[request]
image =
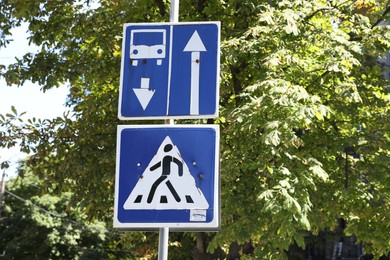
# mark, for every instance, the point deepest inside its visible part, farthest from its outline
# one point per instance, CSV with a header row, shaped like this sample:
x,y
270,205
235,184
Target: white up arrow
x,y
195,46
144,94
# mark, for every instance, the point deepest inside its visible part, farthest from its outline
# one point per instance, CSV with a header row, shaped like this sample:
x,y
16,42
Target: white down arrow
x,y
144,94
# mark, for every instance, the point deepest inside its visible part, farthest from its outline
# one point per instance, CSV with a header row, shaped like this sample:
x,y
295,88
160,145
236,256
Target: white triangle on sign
x,y
195,43
174,189
144,96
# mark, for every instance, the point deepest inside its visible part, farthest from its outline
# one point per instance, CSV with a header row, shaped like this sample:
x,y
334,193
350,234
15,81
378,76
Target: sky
x,y
28,98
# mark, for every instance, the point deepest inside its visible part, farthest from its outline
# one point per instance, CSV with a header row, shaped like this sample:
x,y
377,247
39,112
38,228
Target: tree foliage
x,y
41,226
304,112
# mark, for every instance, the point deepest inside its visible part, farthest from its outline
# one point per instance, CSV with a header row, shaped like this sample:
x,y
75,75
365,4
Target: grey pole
x,y
163,244
164,232
174,14
173,18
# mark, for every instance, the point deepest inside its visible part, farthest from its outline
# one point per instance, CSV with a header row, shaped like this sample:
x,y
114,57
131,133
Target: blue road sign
x,y
167,176
170,70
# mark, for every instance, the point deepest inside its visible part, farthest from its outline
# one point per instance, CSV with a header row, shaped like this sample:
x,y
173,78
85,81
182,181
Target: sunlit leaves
x,y
303,93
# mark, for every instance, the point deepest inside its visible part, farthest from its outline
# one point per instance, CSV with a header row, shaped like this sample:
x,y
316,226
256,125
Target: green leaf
x,y
4,165
299,239
273,138
319,172
14,110
305,222
266,195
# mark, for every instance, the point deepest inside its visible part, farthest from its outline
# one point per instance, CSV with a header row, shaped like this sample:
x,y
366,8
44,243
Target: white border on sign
x,y
215,115
214,225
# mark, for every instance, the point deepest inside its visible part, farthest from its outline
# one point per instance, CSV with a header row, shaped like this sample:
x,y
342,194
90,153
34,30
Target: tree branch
x,y
316,12
382,16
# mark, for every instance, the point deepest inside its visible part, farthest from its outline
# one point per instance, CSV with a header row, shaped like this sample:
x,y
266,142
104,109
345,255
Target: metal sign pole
x,y
174,14
163,244
164,232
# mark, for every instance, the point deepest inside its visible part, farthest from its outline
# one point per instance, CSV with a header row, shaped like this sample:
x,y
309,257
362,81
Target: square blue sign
x,y
170,70
167,176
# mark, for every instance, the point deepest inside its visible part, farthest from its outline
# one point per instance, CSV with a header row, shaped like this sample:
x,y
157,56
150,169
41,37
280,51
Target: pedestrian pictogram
x,y
170,70
167,175
166,183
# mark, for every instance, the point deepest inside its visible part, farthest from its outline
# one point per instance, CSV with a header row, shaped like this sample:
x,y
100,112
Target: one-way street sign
x,y
167,176
170,70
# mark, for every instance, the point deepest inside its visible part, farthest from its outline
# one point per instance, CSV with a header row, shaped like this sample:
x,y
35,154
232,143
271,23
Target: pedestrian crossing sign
x,y
167,176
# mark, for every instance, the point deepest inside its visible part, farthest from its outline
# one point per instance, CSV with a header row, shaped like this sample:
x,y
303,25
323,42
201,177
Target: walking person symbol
x,y
166,170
